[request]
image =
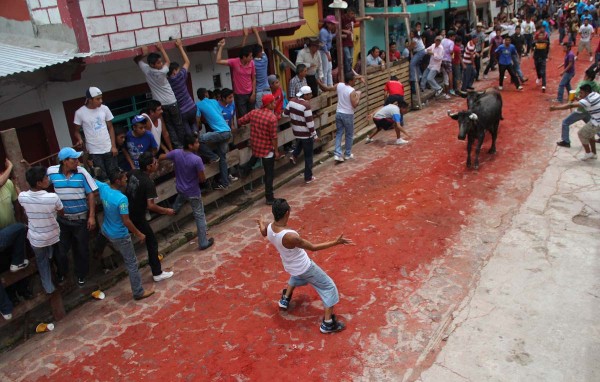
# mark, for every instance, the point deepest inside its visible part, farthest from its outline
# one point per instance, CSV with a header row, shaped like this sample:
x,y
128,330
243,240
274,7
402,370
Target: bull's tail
x,y
501,117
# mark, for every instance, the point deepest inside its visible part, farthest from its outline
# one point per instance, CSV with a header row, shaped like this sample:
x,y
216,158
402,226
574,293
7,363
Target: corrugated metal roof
x,y
19,54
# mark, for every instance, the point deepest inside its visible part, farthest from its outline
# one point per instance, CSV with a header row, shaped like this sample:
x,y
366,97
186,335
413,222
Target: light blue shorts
x,y
322,283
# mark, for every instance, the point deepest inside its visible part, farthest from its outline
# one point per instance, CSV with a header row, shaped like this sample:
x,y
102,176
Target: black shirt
x,y
139,189
519,42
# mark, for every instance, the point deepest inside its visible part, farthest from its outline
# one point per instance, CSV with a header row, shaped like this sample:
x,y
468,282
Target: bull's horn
x,y
450,114
473,117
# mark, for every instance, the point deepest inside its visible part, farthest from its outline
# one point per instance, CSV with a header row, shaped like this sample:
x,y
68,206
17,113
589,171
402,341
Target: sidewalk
x,y
534,314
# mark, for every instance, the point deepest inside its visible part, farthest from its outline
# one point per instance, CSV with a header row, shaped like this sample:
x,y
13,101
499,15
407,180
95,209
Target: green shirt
x,y
8,195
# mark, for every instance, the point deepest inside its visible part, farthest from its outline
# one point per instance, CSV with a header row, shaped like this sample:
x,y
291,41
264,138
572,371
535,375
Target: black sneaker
x,y
211,241
269,202
80,281
333,326
284,302
220,187
563,144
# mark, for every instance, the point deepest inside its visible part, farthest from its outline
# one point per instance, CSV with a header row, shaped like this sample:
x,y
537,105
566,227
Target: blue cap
x,y
138,119
68,152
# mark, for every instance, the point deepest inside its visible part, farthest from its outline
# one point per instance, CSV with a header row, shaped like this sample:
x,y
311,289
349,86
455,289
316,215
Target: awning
x,y
19,54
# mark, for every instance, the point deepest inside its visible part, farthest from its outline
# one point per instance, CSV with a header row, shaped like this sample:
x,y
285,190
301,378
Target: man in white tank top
x,y
292,249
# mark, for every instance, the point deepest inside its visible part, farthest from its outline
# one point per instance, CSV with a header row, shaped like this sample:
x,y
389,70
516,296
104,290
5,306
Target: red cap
x,y
267,99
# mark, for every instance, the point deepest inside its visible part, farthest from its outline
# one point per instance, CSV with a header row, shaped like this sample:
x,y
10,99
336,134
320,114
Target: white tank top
x,y
344,105
295,261
156,130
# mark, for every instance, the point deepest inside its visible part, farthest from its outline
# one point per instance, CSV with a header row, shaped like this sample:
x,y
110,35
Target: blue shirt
x,y
136,146
546,26
581,7
326,37
72,191
505,54
228,111
211,110
115,204
261,66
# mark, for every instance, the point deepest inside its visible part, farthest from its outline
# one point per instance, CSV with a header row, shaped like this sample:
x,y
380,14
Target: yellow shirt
x,y
8,194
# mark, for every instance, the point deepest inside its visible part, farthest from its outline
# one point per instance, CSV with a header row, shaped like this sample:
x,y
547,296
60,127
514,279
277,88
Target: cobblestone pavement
x,y
424,225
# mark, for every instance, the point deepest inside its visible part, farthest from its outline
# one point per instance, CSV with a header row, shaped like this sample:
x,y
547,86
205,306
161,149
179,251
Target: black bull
x,y
484,113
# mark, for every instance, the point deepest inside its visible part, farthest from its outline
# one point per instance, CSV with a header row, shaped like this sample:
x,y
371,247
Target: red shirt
x,y
263,129
456,55
348,24
394,88
278,102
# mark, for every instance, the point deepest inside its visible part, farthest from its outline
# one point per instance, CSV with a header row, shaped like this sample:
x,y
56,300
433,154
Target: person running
x,y
390,116
590,101
292,249
585,43
505,53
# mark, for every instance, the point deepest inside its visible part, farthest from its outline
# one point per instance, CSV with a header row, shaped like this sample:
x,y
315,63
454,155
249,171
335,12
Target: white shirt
x,y
527,27
344,105
448,48
435,62
155,130
159,84
313,63
95,130
295,261
586,32
41,207
591,104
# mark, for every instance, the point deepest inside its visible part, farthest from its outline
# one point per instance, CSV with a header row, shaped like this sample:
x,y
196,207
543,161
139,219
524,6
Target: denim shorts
x,y
322,283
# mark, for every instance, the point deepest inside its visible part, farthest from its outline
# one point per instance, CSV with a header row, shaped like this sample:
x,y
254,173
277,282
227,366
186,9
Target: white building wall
x,y
29,98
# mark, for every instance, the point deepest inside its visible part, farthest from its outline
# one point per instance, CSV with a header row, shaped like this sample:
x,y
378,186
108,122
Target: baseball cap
x,y
68,152
330,19
304,90
272,78
93,92
479,24
267,99
438,38
138,119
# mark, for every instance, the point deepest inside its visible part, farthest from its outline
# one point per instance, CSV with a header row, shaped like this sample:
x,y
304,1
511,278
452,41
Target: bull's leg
x,y
494,136
478,149
470,139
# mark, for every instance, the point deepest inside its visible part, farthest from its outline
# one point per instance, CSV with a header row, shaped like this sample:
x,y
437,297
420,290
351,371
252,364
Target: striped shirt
x,y
179,86
591,104
301,118
41,207
73,190
469,53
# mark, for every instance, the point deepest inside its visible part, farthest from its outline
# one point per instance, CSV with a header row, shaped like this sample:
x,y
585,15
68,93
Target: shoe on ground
x,y
543,89
310,180
233,178
438,92
500,88
520,88
452,92
333,326
7,317
163,276
284,302
537,81
446,96
211,241
18,267
146,294
485,76
220,187
401,141
80,281
588,156
368,140
269,202
575,57
338,158
563,144
292,160
591,59
525,80
347,157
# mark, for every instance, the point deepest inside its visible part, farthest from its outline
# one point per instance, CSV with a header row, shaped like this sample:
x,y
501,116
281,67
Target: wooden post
x,y
12,148
339,48
363,36
386,28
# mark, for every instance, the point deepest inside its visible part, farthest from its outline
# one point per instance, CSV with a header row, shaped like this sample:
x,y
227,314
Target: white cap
x,y
93,92
304,90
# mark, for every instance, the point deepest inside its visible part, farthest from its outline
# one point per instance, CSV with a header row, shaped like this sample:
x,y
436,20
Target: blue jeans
x,y
319,280
468,77
344,124
415,62
348,58
13,236
190,123
125,246
571,119
42,258
198,212
327,67
305,145
561,34
222,142
517,67
6,306
565,82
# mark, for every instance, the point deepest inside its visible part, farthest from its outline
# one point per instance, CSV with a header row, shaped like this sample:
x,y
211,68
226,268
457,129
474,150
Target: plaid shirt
x,y
263,129
295,85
